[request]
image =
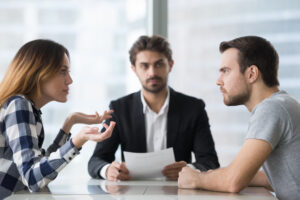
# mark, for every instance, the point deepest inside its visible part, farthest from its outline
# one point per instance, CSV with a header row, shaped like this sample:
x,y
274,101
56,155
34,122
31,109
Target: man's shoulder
x,y
127,99
186,99
278,103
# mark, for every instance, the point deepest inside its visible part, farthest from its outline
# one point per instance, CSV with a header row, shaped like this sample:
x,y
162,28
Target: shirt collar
x,y
35,110
163,109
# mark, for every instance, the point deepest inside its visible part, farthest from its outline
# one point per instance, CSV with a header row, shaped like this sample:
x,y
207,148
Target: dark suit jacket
x,y
188,131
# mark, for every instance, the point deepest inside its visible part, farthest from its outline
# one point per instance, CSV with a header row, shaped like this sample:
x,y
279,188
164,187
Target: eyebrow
x,y
157,61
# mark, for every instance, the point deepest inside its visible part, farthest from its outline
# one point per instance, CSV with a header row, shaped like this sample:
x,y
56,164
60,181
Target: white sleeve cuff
x,y
103,171
191,166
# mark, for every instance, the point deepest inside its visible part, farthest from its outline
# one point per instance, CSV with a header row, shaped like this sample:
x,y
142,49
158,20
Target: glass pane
x,y
98,35
195,31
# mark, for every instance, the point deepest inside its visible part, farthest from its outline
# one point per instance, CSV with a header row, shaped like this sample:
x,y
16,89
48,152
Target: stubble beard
x,y
156,88
236,100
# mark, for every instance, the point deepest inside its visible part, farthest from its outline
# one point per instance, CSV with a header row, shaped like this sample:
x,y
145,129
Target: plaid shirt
x,y
23,163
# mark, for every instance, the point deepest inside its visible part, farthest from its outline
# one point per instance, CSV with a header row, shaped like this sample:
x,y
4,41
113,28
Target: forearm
x,y
215,180
223,180
60,140
260,179
69,122
45,169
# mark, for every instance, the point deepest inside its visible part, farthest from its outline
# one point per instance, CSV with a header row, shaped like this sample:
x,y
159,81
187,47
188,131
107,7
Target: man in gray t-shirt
x,y
248,76
276,120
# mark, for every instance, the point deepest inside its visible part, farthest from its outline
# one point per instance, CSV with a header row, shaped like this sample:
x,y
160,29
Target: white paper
x,y
148,165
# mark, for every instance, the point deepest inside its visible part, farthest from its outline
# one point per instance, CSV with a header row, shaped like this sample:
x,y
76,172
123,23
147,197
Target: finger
x,y
123,168
111,125
113,173
91,130
97,115
123,176
110,111
107,114
168,171
117,165
171,167
109,130
172,176
102,116
106,134
171,173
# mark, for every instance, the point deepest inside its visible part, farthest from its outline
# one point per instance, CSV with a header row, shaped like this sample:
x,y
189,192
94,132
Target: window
x,y
195,31
98,35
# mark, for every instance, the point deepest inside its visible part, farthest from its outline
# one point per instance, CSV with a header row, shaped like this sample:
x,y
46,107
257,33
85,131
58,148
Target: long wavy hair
x,y
35,62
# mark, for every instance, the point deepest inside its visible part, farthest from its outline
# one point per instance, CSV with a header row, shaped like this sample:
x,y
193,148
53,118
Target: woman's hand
x,y
81,118
92,134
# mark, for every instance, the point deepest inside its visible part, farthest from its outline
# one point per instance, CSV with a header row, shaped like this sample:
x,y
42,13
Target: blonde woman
x,y
38,74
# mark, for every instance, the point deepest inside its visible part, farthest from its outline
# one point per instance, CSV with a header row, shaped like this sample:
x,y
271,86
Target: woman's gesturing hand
x,y
82,118
93,134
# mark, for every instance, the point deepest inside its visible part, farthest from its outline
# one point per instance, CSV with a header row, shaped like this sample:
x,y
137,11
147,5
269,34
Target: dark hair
x,y
254,50
35,62
155,43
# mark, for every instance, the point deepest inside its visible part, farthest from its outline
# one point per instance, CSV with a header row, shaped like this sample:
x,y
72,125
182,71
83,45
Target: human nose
x,y
220,80
151,71
69,79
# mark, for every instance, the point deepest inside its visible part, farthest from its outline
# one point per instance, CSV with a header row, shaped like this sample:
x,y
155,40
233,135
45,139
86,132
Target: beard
x,y
157,87
236,100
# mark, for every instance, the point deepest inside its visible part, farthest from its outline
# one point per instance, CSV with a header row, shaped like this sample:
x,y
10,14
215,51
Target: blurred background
x,y
99,33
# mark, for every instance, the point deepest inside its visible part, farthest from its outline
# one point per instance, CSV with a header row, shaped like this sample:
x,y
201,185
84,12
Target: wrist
x,y
78,141
198,180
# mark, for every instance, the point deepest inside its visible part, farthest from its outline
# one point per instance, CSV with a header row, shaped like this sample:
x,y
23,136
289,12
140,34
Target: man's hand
x,y
188,178
117,171
171,171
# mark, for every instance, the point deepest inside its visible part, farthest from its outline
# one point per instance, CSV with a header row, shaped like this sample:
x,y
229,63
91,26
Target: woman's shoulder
x,y
19,101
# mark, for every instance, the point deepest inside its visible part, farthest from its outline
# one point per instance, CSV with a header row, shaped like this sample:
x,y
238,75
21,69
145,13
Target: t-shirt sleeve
x,y
270,122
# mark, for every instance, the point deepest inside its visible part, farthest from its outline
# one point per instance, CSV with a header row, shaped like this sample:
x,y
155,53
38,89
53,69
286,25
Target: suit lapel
x,y
140,129
173,119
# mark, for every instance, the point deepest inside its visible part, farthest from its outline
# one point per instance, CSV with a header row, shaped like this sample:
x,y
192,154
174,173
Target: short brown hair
x,y
254,50
155,43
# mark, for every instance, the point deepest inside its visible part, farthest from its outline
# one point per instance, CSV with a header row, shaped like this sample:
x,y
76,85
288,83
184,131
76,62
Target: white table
x,y
134,190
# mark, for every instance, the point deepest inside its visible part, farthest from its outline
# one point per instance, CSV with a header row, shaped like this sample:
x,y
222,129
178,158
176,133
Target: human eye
x,y
159,64
144,65
224,70
64,71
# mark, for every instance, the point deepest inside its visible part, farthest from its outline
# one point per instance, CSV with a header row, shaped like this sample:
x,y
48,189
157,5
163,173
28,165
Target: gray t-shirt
x,y
277,121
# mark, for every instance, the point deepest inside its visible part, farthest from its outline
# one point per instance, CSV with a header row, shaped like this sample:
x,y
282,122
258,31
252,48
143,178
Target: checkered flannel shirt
x,y
23,163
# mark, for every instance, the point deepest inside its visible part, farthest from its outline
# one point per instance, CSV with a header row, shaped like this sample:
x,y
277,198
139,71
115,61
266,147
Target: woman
x,y
38,74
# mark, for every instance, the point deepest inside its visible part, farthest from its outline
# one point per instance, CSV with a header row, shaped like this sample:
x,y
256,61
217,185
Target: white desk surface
x,y
134,190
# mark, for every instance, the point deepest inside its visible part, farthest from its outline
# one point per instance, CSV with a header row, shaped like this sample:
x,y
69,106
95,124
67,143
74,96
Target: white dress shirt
x,y
156,128
156,125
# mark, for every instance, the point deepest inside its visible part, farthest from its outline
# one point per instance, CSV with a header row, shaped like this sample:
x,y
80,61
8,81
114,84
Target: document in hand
x,y
148,165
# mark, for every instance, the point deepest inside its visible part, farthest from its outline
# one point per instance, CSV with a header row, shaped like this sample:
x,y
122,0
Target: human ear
x,y
171,63
133,68
252,73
